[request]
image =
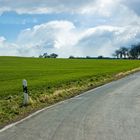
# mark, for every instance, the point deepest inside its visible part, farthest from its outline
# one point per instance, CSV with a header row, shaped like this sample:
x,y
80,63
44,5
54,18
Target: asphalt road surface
x,y
111,112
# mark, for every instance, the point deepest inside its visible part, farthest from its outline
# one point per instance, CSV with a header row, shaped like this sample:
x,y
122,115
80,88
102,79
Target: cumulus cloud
x,y
64,38
103,26
8,49
55,36
103,40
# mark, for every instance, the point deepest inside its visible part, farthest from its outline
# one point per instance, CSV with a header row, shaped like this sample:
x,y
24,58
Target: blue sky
x,y
80,28
11,23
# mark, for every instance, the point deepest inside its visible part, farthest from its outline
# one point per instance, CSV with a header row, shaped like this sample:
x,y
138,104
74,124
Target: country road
x,y
110,112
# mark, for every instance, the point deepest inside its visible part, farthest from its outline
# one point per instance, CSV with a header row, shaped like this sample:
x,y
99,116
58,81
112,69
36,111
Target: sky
x,y
68,27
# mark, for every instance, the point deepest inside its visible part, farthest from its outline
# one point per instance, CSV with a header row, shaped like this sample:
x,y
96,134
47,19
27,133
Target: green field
x,y
44,75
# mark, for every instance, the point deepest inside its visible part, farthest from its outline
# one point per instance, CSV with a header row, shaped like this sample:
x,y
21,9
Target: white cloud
x,y
45,6
8,49
55,36
104,26
49,33
133,5
102,7
64,38
103,40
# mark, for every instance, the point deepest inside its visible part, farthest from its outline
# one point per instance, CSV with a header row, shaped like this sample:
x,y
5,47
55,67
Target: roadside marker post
x,y
25,92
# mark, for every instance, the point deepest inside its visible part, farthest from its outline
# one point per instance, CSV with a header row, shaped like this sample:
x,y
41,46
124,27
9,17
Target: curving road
x,y
110,112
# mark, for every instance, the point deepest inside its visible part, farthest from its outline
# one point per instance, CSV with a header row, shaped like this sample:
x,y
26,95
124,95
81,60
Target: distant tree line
x,y
46,55
132,52
89,57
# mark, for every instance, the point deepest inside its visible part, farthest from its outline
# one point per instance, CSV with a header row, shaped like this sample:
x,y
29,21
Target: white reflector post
x,y
25,92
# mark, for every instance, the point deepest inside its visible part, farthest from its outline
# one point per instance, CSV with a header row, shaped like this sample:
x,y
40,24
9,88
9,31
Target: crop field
x,y
46,73
46,76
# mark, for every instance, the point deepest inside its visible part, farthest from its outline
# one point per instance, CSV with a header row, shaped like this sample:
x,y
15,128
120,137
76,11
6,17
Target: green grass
x,y
44,76
43,73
